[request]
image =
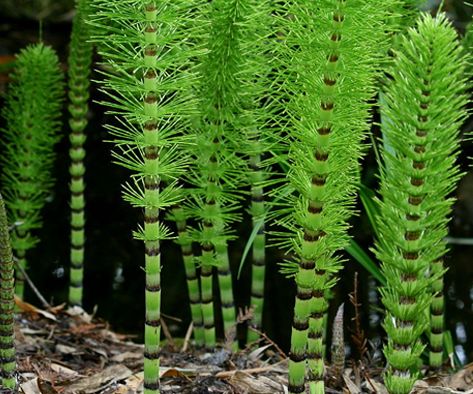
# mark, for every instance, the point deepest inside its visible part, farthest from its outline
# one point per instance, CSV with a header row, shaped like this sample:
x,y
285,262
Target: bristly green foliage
x,y
256,45
80,58
7,307
332,50
424,101
147,51
32,111
215,174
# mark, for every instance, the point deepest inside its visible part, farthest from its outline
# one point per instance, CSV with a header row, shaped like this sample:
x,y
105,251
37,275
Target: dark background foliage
x,y
114,279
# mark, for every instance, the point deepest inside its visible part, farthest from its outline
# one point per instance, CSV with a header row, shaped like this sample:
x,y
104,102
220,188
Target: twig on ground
x,y
167,334
185,345
33,287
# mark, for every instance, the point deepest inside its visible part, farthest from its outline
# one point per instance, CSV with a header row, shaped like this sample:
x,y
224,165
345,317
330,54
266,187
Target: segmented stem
x,y
207,263
79,61
315,207
193,287
7,306
226,287
151,214
257,211
423,107
437,319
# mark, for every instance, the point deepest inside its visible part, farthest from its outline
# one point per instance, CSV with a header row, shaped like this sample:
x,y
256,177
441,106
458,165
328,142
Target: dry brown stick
x,y
264,337
227,374
167,333
33,287
187,337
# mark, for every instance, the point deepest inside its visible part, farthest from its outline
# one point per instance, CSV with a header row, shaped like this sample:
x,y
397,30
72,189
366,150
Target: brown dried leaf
x,y
93,384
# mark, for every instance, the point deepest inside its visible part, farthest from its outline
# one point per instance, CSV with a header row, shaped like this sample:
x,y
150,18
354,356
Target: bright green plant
x,y
180,217
32,111
80,58
7,306
336,71
148,77
254,77
424,101
216,174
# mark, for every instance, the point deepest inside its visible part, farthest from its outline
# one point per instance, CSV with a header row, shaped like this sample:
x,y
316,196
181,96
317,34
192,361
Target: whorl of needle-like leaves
x,y
7,306
331,50
148,78
424,107
256,56
32,111
215,174
80,58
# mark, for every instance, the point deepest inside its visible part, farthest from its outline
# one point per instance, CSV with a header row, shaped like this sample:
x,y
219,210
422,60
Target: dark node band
x,y
151,386
296,389
153,323
153,288
296,357
300,325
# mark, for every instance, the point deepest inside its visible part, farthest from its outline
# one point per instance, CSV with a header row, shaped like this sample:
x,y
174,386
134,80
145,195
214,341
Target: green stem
x,y
193,287
152,231
80,57
7,306
257,211
225,286
207,294
437,319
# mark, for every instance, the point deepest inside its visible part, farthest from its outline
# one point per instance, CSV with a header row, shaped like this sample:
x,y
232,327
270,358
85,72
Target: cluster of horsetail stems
x,y
80,58
215,174
179,216
7,306
424,103
32,111
253,121
148,82
336,72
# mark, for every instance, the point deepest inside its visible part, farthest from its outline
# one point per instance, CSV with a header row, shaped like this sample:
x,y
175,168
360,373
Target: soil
x,y
68,351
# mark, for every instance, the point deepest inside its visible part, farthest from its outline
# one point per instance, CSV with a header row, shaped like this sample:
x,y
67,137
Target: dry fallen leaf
x,y
28,308
94,383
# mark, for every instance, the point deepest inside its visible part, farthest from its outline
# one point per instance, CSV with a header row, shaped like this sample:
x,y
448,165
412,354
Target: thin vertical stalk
x,y
329,81
257,211
80,58
437,318
148,80
193,286
7,306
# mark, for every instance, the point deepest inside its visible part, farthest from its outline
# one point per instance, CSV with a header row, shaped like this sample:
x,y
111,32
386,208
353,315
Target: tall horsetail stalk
x,y
216,174
149,74
80,58
336,72
32,111
425,104
7,306
254,76
179,216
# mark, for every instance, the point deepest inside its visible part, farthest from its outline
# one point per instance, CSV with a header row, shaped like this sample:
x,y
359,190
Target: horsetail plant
x,y
32,110
215,175
80,58
148,81
254,76
425,103
184,239
331,76
7,306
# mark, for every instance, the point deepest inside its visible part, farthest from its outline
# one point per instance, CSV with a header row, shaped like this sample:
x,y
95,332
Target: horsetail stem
x,y
418,173
80,58
7,306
